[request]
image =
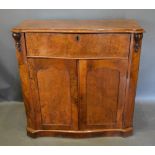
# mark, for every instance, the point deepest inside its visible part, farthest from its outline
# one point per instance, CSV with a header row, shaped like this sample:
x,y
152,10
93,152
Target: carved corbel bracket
x,y
17,37
138,37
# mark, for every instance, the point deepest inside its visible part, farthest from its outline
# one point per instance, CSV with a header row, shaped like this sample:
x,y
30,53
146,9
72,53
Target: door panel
x,y
57,89
103,102
102,93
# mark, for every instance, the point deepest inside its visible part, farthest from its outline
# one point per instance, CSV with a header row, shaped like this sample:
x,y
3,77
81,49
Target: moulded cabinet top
x,y
79,26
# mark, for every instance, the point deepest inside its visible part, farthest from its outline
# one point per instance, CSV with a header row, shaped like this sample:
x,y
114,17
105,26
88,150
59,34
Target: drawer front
x,y
77,45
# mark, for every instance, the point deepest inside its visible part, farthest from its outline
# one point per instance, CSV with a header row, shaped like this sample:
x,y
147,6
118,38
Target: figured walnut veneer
x,y
78,76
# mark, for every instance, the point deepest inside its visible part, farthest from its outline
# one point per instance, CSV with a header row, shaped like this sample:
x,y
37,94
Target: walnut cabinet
x,y
78,76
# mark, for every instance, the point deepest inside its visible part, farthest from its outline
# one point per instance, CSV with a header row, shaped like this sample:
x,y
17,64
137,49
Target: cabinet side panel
x,y
134,60
25,83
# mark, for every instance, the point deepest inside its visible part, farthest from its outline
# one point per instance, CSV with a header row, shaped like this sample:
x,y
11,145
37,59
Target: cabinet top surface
x,y
79,26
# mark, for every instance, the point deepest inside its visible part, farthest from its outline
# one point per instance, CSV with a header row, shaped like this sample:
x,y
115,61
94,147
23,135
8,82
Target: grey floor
x,y
13,122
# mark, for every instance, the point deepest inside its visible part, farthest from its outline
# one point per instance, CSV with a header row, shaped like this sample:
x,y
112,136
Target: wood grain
x,y
79,26
25,82
102,88
80,134
79,77
88,45
57,92
131,84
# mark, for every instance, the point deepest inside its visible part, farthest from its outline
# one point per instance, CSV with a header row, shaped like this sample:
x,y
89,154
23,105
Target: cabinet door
x,y
54,91
102,85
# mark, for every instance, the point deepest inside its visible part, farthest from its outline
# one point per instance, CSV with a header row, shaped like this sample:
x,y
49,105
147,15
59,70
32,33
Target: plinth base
x,y
79,134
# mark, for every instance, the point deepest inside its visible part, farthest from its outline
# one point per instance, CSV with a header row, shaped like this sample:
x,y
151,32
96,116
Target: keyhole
x,y
77,38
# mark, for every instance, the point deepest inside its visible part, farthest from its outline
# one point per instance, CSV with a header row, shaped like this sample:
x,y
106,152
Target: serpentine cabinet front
x,y
78,84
